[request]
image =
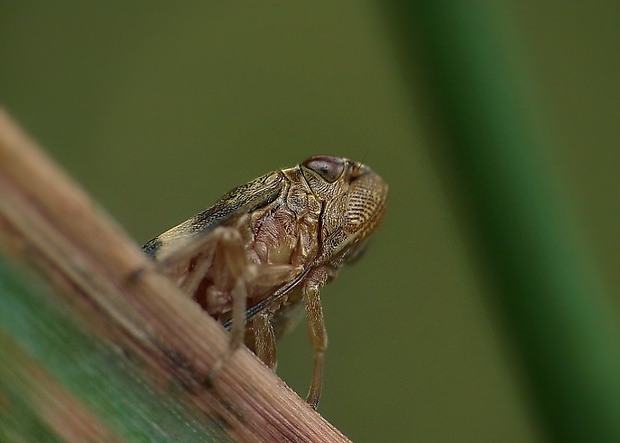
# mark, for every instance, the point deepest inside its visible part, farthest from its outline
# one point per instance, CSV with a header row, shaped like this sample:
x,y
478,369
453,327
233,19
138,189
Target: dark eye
x,y
329,168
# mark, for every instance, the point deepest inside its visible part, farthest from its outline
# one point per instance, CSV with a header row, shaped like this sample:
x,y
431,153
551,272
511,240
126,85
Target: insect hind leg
x,y
224,252
264,340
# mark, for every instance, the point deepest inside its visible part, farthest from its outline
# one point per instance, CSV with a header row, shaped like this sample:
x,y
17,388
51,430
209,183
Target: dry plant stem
x,y
47,219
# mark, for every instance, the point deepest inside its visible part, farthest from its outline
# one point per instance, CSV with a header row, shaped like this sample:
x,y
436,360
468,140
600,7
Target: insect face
x,y
354,201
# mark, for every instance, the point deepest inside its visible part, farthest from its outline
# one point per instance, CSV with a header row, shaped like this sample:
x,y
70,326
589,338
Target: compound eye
x,y
329,168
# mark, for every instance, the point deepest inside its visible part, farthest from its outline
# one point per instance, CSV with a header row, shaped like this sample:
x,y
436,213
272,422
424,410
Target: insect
x,y
256,259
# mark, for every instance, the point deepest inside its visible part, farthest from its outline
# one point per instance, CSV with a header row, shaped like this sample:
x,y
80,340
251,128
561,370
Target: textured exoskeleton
x,y
256,258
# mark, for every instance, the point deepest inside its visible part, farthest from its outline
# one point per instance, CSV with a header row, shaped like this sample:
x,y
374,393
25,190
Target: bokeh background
x,y
159,109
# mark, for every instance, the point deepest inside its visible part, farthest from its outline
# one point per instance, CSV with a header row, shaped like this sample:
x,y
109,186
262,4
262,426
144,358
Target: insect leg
x,y
247,274
264,340
230,245
318,340
190,281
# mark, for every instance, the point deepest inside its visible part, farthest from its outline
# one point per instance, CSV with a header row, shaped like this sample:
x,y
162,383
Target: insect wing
x,y
183,251
185,238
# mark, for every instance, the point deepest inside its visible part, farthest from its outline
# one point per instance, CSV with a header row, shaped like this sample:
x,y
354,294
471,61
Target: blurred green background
x,y
158,109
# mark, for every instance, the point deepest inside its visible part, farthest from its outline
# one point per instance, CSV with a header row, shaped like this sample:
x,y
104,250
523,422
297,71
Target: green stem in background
x,y
552,305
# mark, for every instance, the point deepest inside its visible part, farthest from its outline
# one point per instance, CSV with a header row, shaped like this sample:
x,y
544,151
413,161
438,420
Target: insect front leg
x,y
318,340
